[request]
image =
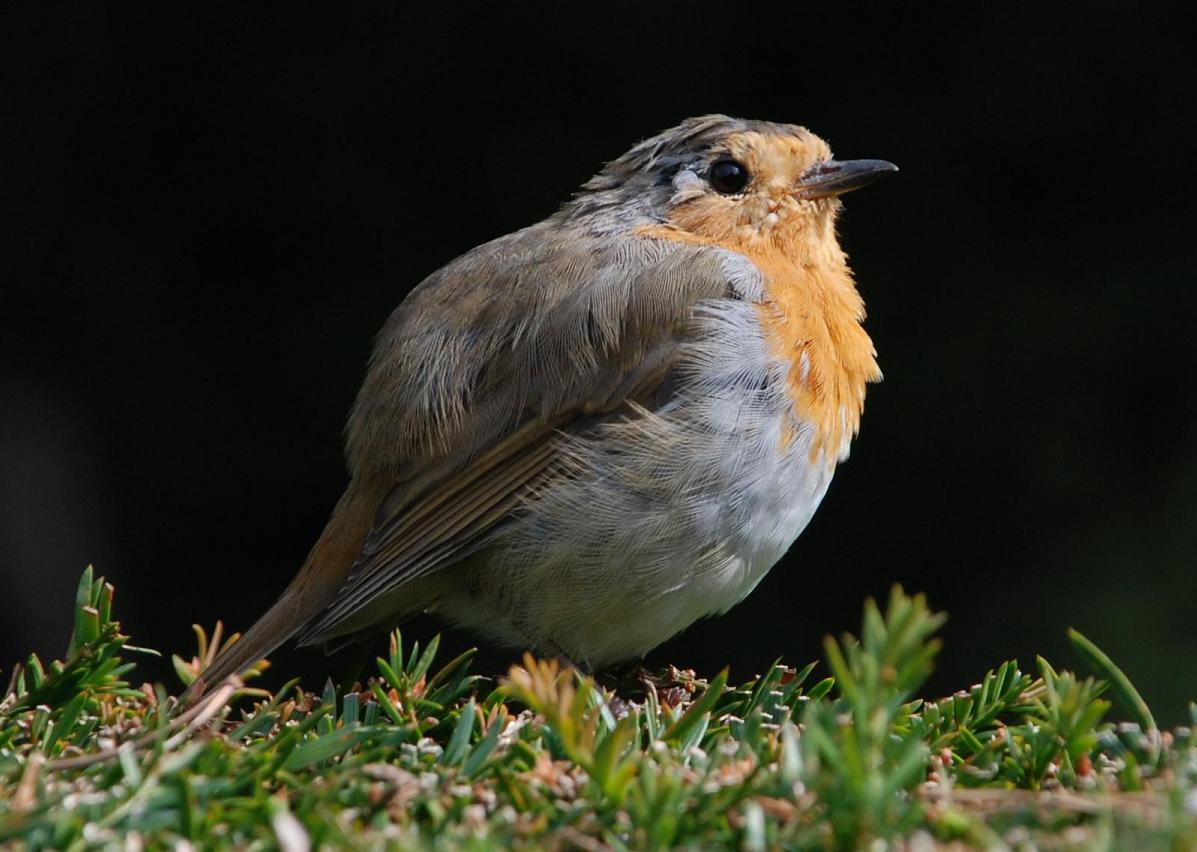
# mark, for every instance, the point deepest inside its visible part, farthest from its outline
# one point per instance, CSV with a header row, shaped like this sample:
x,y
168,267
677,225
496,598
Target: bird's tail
x,y
323,573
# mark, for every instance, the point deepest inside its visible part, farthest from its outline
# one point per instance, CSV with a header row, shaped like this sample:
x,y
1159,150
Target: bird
x,y
579,438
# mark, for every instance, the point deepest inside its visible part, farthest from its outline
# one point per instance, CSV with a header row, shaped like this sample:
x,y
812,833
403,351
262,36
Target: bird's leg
x,y
582,668
633,677
553,651
671,687
547,649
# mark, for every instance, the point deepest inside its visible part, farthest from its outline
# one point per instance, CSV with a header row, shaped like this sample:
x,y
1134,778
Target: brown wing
x,y
485,367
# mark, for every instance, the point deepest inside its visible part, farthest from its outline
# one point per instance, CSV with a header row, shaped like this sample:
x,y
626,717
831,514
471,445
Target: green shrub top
x,y
427,754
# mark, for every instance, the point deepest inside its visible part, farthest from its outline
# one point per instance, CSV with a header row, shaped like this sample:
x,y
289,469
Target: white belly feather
x,y
672,515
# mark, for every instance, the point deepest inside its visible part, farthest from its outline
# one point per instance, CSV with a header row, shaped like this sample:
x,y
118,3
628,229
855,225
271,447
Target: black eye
x,y
728,176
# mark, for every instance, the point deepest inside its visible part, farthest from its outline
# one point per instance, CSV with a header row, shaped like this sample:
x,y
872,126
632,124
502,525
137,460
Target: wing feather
x,y
483,373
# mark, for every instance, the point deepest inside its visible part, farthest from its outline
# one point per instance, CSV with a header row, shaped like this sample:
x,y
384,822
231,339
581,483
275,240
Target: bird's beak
x,y
835,177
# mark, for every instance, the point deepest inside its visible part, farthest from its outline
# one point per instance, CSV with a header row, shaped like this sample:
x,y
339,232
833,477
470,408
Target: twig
x,y
192,720
1067,800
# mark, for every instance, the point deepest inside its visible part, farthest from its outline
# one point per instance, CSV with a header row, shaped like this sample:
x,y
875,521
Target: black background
x,y
210,213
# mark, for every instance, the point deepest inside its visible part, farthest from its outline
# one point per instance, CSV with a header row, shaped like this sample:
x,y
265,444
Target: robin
x,y
581,437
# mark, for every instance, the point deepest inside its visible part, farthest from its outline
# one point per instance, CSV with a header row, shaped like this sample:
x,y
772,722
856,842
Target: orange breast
x,y
812,315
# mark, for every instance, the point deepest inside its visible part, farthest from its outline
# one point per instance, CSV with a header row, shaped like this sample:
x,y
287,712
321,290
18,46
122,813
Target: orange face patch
x,y
811,311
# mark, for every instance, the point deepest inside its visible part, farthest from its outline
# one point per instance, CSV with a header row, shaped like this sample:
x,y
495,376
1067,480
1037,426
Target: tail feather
x,y
322,575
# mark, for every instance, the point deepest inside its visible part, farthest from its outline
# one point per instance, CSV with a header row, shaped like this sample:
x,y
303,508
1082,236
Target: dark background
x,y
209,214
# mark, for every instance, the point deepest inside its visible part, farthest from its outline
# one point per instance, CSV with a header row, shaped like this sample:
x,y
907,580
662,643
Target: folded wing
x,y
484,370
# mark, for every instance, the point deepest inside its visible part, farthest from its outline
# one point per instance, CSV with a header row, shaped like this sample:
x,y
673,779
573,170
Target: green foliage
x,y
964,722
1059,729
425,755
93,666
861,771
1119,683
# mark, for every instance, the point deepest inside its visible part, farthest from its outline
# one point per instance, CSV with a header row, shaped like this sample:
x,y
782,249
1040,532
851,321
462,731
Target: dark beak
x,y
835,177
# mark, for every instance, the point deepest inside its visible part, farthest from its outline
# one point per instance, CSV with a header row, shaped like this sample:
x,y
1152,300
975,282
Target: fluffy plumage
x,y
582,436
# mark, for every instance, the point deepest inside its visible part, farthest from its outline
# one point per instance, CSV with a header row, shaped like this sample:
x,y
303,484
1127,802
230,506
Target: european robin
x,y
583,436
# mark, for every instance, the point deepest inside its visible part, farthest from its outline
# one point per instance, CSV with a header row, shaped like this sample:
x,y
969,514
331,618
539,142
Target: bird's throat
x,y
812,315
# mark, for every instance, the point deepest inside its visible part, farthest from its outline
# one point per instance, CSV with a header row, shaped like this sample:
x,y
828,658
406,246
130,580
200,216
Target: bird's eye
x,y
728,176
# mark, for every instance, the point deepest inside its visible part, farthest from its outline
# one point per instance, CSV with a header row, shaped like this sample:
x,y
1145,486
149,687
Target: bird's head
x,y
732,182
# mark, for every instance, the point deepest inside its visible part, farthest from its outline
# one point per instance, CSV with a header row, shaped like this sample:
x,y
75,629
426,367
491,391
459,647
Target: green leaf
x,y
459,742
386,704
421,668
1119,683
606,759
485,747
63,727
389,674
349,709
82,601
820,689
325,747
182,671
